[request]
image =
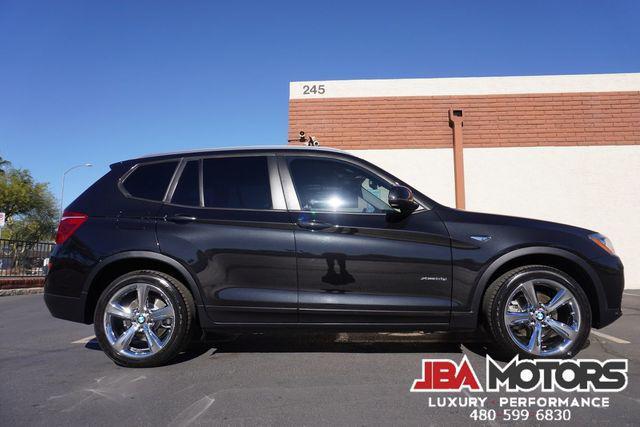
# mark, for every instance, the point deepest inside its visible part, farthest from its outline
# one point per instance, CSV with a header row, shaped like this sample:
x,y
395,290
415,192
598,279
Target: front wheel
x,y
537,311
144,318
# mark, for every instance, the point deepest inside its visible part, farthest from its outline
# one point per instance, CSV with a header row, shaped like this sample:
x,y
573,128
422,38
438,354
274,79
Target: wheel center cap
x,y
140,319
540,315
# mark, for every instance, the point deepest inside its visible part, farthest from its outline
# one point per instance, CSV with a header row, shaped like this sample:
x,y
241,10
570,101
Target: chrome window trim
x,y
225,209
201,183
174,184
287,185
177,174
275,185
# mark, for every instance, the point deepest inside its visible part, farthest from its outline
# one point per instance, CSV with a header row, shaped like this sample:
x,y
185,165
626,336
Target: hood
x,y
501,233
450,215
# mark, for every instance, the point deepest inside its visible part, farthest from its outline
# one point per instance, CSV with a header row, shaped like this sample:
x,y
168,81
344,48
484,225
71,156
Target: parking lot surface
x,y
53,373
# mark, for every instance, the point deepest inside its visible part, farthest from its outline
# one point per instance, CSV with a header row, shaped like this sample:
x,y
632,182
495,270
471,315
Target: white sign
x,y
2,218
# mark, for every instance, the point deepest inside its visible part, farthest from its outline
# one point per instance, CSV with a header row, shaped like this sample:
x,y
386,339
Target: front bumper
x,y
607,317
610,271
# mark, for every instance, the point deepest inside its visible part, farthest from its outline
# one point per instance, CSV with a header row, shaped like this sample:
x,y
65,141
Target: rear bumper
x,y
64,307
63,287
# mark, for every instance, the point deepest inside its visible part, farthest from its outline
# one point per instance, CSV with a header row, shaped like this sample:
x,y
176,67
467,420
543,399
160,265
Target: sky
x,y
99,82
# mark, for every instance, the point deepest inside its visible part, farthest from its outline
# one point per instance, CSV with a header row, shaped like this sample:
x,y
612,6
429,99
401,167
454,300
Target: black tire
x,y
495,302
183,323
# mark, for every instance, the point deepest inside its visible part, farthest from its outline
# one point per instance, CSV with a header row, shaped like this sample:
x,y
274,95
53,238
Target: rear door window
x,y
187,191
236,183
150,181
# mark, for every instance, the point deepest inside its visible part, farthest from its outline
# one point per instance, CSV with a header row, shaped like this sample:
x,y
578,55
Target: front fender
x,y
470,319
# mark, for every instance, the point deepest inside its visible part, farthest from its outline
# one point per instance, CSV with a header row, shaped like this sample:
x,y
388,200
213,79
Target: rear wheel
x,y
144,318
537,311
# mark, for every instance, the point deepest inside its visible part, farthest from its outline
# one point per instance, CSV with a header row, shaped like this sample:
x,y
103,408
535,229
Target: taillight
x,y
69,223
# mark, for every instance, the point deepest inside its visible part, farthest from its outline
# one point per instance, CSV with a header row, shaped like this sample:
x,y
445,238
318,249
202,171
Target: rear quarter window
x,y
150,181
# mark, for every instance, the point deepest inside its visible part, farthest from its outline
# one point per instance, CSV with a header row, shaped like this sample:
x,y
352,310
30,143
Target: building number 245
x,y
313,89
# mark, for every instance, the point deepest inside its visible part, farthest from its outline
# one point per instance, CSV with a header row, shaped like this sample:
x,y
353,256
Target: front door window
x,y
336,186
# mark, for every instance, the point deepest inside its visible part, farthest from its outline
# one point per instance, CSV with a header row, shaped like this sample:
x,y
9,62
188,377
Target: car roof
x,y
243,149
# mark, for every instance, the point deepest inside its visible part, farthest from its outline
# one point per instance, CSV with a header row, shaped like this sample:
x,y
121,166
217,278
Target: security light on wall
x,y
310,141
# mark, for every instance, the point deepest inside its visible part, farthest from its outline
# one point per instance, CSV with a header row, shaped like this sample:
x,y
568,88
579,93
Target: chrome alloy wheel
x,y
542,317
139,320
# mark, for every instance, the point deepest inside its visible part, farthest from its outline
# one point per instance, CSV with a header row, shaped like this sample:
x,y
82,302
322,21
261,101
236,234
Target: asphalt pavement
x,y
53,373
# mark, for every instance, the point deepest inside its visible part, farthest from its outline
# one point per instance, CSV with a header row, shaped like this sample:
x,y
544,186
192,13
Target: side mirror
x,y
401,198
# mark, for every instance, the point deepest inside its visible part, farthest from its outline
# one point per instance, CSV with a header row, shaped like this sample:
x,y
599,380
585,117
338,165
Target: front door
x,y
227,220
359,260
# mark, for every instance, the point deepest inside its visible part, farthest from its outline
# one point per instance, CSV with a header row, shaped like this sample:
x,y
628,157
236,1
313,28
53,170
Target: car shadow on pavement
x,y
330,343
193,351
434,344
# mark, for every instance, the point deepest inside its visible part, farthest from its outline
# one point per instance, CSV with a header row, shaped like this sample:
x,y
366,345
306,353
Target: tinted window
x,y
330,185
187,191
236,182
150,181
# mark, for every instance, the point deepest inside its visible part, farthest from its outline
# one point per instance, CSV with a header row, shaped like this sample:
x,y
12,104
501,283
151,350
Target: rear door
x,y
226,220
359,261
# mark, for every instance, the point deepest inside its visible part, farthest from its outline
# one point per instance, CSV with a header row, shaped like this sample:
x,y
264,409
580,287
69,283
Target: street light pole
x,y
88,165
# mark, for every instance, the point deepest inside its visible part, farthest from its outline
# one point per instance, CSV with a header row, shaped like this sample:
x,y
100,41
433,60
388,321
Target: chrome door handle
x,y
313,225
181,218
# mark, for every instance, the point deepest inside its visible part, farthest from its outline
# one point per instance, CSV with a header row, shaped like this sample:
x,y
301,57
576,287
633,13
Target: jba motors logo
x,y
584,375
446,375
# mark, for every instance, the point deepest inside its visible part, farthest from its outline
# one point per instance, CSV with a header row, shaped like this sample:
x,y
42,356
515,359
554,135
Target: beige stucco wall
x,y
429,170
595,187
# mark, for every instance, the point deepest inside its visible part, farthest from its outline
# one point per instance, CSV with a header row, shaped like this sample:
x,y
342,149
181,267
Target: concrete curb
x,y
21,291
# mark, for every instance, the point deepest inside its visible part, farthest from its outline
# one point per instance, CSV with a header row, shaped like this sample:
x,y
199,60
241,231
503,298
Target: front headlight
x,y
603,242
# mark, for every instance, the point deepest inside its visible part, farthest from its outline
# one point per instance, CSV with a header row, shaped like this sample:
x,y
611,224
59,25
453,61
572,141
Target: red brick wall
x,y
21,282
489,121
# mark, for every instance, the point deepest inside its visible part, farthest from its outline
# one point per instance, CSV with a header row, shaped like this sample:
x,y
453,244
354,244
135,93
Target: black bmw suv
x,y
166,247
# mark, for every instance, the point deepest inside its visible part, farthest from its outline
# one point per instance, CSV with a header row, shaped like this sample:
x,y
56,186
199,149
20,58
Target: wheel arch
x,y
116,265
570,263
